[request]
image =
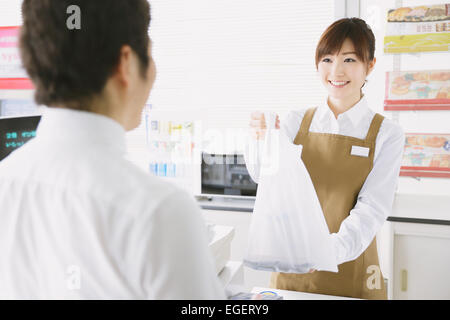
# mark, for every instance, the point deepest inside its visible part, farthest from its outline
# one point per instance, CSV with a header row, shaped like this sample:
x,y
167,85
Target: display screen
x,y
226,175
15,132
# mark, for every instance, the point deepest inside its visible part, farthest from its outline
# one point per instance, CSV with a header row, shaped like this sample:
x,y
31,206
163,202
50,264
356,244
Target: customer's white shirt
x,y
377,194
79,221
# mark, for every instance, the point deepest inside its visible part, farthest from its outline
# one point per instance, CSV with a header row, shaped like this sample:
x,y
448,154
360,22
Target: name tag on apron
x,y
360,151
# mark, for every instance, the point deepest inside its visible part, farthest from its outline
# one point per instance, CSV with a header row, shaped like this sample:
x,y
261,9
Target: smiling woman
x,y
342,65
353,157
344,74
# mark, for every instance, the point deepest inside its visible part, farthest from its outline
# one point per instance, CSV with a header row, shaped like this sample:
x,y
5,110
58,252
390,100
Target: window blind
x,y
226,59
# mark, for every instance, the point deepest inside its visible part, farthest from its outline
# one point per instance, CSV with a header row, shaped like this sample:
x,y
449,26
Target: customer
x,y
77,220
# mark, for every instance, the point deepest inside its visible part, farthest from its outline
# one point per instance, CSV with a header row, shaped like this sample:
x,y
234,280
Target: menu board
x,y
418,29
12,74
417,90
426,155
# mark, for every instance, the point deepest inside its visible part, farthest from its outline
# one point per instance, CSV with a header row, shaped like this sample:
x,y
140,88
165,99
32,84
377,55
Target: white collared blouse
x,y
376,197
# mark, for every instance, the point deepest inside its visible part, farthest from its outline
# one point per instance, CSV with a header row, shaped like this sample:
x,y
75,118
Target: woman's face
x,y
343,73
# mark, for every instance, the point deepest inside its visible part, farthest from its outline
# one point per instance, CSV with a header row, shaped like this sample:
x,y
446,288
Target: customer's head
x,y
105,66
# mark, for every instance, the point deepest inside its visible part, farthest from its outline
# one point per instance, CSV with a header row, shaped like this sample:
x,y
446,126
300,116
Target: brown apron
x,y
338,177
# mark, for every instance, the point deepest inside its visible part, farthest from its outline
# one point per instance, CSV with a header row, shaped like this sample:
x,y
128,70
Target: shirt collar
x,y
355,113
81,126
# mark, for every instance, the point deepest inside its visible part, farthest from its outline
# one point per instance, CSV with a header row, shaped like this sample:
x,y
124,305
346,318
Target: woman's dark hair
x,y
354,29
70,66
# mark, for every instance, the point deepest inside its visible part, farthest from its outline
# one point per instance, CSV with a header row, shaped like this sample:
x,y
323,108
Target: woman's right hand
x,y
258,125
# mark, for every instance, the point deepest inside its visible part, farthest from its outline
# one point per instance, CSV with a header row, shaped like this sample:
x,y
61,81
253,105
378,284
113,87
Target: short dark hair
x,y
354,29
70,67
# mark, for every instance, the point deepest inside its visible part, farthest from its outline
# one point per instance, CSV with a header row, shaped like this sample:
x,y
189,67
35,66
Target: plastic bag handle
x,y
271,119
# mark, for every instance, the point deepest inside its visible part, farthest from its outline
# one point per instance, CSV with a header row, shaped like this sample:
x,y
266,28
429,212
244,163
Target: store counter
x,y
428,209
226,204
295,295
424,209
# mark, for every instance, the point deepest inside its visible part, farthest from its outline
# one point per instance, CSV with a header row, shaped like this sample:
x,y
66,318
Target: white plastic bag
x,y
288,232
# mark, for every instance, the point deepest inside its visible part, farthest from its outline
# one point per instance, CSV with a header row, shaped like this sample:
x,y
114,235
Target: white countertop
x,y
295,295
417,206
227,204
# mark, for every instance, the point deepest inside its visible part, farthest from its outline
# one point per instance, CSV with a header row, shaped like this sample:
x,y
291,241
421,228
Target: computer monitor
x,y
226,175
15,132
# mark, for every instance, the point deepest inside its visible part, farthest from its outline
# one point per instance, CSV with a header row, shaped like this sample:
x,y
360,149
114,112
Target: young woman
x,y
353,156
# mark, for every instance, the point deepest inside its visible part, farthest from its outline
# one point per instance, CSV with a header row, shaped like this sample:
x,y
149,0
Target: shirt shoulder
x,y
390,140
130,183
391,130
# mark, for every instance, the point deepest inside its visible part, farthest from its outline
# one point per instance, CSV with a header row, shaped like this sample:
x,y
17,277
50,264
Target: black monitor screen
x,y
226,175
15,132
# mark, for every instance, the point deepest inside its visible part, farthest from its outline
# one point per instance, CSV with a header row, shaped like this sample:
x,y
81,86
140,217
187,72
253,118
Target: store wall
x,y
375,12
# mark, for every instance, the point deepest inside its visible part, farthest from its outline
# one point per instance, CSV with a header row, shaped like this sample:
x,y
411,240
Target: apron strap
x,y
374,128
304,127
